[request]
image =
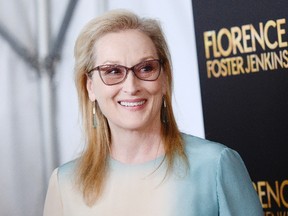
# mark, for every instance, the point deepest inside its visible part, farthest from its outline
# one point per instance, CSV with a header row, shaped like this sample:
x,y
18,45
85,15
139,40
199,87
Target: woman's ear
x,y
90,89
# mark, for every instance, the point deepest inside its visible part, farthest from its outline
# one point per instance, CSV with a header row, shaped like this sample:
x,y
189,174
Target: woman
x,y
136,161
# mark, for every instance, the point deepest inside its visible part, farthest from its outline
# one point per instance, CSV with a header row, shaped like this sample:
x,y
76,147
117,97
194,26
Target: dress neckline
x,y
151,163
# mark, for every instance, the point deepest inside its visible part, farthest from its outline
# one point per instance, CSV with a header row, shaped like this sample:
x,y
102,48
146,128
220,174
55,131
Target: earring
x,y
164,116
94,120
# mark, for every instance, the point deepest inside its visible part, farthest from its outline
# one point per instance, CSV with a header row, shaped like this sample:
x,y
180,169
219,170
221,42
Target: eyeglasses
x,y
115,74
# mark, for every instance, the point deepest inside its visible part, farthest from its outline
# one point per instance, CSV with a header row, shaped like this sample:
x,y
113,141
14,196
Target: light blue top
x,y
216,183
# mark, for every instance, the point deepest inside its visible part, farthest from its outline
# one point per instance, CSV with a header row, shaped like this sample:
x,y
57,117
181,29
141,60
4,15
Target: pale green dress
x,y
216,183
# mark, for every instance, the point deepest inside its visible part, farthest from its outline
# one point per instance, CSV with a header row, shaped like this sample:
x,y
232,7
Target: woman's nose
x,y
131,83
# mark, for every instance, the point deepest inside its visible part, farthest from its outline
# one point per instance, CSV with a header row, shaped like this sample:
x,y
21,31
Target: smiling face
x,y
133,104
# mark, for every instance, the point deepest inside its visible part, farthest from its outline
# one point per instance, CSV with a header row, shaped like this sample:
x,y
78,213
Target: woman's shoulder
x,y
193,142
197,147
67,170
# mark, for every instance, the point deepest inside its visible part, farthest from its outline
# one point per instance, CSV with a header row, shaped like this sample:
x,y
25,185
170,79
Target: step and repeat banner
x,y
242,49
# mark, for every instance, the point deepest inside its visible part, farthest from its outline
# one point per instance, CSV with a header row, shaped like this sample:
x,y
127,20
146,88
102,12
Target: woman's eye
x,y
113,71
147,68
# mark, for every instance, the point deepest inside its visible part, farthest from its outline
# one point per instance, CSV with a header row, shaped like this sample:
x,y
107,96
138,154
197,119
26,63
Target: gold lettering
x,y
281,32
237,37
225,67
254,64
274,195
224,32
269,24
285,57
261,62
278,59
212,66
240,63
284,184
246,37
261,193
257,37
268,62
210,41
277,195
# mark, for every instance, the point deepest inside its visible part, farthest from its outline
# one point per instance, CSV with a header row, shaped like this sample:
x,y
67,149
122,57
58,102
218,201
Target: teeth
x,y
131,104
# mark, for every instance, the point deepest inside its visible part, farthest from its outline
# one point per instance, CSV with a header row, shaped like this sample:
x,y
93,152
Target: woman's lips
x,y
133,103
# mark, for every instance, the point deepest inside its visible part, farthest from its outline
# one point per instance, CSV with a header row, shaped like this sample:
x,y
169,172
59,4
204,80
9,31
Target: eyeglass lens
x,y
114,74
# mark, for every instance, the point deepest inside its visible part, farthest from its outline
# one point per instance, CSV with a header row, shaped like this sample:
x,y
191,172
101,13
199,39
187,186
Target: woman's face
x,y
133,104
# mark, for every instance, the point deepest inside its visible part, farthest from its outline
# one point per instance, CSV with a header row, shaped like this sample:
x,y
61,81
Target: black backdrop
x,y
247,111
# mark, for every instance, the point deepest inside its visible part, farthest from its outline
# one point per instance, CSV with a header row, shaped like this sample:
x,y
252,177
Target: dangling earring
x,y
164,116
94,120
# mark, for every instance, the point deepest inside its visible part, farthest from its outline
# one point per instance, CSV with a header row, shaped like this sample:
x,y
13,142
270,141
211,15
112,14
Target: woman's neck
x,y
136,147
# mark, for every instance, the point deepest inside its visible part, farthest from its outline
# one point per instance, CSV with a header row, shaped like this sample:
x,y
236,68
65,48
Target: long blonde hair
x,y
93,164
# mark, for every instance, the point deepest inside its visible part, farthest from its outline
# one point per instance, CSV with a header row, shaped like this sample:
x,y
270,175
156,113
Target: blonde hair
x,y
93,164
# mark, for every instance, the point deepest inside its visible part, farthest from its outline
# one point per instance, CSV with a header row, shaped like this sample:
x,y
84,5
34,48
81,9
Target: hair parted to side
x,y
93,164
